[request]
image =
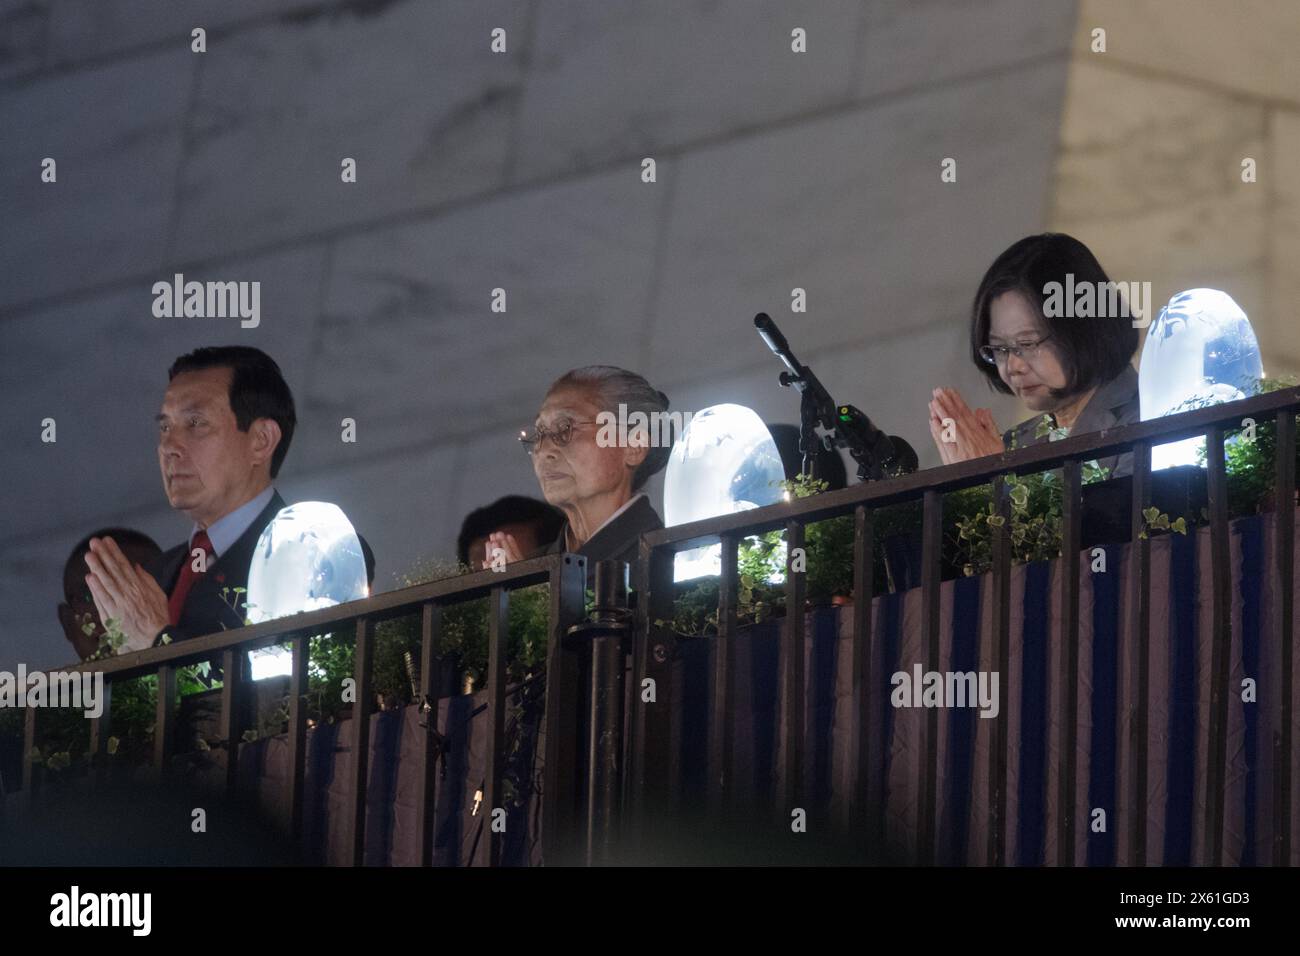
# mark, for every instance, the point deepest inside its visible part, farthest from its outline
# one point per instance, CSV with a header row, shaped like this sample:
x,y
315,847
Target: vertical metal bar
x,y
489,847
31,783
232,670
300,651
1221,611
363,678
1068,719
430,682
792,676
927,785
164,728
720,726
1284,627
860,811
607,631
1001,586
648,787
1140,629
560,786
101,728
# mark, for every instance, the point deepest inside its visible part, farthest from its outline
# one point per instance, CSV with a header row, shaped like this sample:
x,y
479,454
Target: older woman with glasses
x,y
594,474
1072,371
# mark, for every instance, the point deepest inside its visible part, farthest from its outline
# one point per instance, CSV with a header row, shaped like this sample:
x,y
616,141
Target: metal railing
x,y
564,573
654,775
605,786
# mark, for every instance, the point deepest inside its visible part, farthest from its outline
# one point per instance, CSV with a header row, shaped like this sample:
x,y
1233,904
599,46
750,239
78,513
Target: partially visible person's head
x,y
224,429
533,524
1068,354
77,609
584,469
369,557
828,466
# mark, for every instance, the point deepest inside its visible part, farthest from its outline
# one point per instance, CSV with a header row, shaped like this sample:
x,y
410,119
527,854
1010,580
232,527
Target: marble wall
x,y
1153,136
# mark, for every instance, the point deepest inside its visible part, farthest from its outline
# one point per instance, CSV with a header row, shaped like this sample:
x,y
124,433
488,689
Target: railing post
x,y
489,847
604,636
31,774
560,791
1221,644
1284,627
721,785
363,671
649,788
861,806
928,755
100,729
431,739
1001,636
792,680
1068,719
1140,634
300,654
164,730
232,693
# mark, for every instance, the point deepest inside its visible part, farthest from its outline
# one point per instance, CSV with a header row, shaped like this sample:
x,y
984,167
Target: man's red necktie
x,y
188,576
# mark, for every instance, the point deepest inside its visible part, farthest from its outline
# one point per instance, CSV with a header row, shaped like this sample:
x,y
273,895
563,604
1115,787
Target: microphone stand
x,y
878,455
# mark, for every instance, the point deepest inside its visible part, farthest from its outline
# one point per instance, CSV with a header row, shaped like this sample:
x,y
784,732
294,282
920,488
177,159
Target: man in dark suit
x,y
213,603
223,432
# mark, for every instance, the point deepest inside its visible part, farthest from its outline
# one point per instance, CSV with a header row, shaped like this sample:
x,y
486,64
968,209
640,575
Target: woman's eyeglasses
x,y
560,434
997,354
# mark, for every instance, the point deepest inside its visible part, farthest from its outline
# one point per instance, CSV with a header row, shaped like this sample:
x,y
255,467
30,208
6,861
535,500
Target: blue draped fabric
x,y
1033,717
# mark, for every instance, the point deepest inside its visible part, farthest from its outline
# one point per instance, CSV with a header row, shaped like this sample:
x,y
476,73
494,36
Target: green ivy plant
x,y
463,645
1249,462
1154,519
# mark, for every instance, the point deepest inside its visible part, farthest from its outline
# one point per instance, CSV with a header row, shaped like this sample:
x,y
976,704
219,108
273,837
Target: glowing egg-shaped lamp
x,y
1200,350
309,557
725,461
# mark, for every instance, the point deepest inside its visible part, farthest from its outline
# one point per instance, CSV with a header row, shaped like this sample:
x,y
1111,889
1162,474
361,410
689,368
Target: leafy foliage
x,y
1250,458
463,634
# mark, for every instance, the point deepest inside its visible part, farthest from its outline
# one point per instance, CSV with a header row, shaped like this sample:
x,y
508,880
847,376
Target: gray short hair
x,y
616,386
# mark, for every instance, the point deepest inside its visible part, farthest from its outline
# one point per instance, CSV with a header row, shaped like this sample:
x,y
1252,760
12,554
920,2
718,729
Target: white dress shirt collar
x,y
226,530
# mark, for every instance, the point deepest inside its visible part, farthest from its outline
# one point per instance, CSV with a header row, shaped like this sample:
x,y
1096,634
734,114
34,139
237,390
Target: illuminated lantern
x,y
725,461
308,557
1199,351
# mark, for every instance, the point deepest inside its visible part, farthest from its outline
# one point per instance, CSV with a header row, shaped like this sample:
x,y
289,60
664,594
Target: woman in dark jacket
x,y
1073,371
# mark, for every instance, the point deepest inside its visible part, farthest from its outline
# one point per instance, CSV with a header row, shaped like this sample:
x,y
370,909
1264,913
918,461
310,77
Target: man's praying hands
x,y
126,593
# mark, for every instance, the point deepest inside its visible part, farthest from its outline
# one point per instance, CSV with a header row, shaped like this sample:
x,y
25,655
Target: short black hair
x,y
257,389
74,569
369,556
1092,350
512,509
